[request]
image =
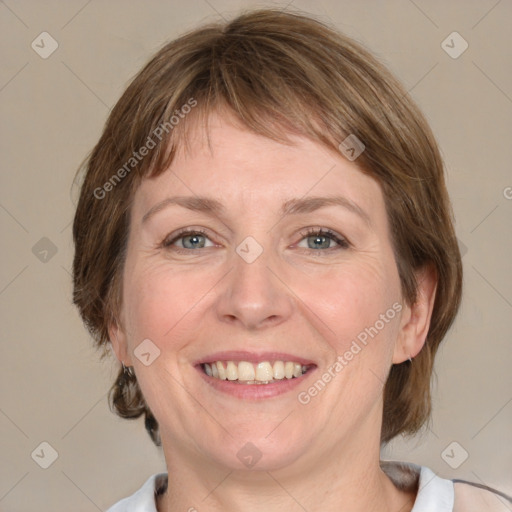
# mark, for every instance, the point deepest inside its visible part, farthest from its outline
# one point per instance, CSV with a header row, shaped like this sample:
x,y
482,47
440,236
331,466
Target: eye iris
x,y
319,241
195,241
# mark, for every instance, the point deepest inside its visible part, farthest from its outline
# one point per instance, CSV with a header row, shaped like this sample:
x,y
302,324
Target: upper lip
x,y
252,357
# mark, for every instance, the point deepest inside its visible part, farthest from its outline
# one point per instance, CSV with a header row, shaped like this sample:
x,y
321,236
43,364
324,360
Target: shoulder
x,y
142,500
473,497
442,495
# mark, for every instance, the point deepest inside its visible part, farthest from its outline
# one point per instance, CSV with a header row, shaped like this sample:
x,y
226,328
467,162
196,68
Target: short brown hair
x,y
279,73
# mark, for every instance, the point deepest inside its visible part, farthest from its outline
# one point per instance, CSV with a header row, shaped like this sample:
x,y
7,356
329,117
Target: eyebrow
x,y
289,207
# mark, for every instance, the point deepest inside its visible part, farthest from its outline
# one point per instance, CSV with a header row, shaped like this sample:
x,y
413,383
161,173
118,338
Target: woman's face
x,y
261,287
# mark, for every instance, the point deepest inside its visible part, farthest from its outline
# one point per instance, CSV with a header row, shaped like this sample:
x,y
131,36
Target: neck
x,y
347,478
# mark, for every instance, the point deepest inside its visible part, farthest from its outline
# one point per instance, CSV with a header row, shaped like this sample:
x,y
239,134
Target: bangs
x,y
274,83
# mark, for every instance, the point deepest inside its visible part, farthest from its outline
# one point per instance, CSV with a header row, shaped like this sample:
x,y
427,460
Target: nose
x,y
254,295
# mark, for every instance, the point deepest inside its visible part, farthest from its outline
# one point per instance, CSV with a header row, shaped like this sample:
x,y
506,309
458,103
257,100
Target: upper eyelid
x,y
341,240
181,233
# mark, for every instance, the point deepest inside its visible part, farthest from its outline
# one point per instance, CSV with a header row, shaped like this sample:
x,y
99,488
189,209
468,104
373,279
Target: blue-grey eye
x,y
319,242
189,240
321,239
193,241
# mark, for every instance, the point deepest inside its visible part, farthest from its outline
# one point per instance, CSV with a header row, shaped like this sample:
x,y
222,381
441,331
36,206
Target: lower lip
x,y
254,391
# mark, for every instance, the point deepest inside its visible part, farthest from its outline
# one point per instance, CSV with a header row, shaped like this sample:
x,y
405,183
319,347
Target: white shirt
x,y
435,494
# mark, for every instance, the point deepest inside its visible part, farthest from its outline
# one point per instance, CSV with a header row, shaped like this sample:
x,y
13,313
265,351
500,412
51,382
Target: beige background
x,y
53,387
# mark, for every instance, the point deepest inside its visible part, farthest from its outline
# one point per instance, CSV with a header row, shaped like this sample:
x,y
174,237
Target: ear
x,y
415,321
119,342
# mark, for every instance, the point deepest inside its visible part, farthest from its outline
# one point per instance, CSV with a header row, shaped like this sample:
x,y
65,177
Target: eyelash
x,y
319,232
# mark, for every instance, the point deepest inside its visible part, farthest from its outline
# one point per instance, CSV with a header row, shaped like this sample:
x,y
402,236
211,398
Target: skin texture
x,y
309,302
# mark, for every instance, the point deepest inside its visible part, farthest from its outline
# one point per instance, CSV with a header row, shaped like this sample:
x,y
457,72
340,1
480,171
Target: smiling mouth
x,y
245,372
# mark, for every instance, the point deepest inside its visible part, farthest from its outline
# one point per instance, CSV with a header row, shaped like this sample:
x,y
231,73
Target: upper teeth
x,y
260,372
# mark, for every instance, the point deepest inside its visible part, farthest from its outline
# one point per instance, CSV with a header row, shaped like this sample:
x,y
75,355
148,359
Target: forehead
x,y
229,162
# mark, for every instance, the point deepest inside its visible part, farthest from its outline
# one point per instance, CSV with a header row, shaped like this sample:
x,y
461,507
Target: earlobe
x,y
416,317
118,342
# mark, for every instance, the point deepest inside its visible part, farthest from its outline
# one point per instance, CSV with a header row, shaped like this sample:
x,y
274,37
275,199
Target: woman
x,y
265,239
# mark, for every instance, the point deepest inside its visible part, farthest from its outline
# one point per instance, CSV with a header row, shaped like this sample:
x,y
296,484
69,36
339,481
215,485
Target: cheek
x,y
352,298
170,305
162,303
